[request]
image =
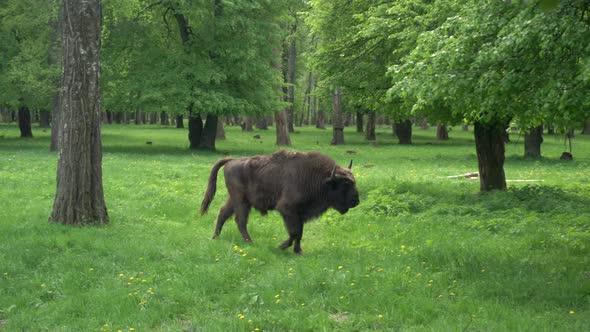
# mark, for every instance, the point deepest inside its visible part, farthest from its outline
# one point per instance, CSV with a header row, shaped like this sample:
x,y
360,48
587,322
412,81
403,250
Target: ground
x,y
421,251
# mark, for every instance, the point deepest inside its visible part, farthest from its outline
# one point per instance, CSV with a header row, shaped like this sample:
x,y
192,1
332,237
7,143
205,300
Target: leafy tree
x,y
360,39
208,58
496,61
27,73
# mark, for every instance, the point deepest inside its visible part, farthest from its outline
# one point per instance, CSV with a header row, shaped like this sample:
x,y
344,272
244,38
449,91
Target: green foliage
x,y
29,67
224,66
501,59
421,252
359,40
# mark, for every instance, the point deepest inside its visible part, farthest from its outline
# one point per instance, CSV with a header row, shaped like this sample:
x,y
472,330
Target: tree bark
x,y
220,129
24,122
424,124
180,121
247,124
489,144
403,131
282,129
371,121
118,117
337,123
320,121
359,122
442,133
138,111
586,130
44,119
209,133
55,125
79,197
164,119
262,123
532,142
55,56
290,76
195,129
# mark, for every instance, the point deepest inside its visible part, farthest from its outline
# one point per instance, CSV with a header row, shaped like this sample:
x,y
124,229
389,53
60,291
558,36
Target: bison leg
x,y
242,211
295,228
224,213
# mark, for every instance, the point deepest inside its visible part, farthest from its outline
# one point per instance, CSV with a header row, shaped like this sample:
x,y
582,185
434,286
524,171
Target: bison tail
x,y
212,185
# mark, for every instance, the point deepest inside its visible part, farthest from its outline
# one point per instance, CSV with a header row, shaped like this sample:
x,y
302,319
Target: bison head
x,y
342,192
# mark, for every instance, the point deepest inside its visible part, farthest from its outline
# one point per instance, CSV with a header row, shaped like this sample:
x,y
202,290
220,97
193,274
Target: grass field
x,y
420,253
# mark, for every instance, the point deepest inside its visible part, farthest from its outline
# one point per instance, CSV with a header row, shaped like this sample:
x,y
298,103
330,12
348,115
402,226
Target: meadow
x,y
422,252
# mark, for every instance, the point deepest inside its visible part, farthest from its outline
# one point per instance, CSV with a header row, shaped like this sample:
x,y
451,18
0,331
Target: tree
x,y
79,197
27,74
205,58
497,61
337,123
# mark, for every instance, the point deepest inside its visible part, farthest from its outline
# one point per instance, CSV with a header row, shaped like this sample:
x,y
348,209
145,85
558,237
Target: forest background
x,y
422,250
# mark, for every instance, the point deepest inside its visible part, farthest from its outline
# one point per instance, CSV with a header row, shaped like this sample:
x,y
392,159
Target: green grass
x,y
420,253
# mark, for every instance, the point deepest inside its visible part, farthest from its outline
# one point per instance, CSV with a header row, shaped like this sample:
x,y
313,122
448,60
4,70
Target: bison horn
x,y
333,175
350,165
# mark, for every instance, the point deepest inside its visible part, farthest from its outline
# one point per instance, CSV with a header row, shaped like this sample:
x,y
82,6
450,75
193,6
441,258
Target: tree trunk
x,y
290,76
209,133
153,118
371,121
307,99
24,122
118,117
195,129
55,56
164,119
55,123
442,134
424,124
180,121
337,123
79,197
247,124
586,130
44,119
282,129
403,131
220,129
532,142
489,144
262,123
320,121
138,111
359,122
465,127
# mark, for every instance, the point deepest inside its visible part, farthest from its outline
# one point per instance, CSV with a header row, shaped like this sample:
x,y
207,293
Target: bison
x,y
299,185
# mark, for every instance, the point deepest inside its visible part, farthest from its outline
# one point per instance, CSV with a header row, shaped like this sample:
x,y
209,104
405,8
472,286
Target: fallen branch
x,y
470,175
475,176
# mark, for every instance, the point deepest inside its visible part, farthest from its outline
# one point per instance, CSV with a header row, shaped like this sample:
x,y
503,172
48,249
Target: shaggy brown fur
x,y
299,185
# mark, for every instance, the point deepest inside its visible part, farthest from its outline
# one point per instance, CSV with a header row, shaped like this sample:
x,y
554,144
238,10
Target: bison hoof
x,y
285,245
298,252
